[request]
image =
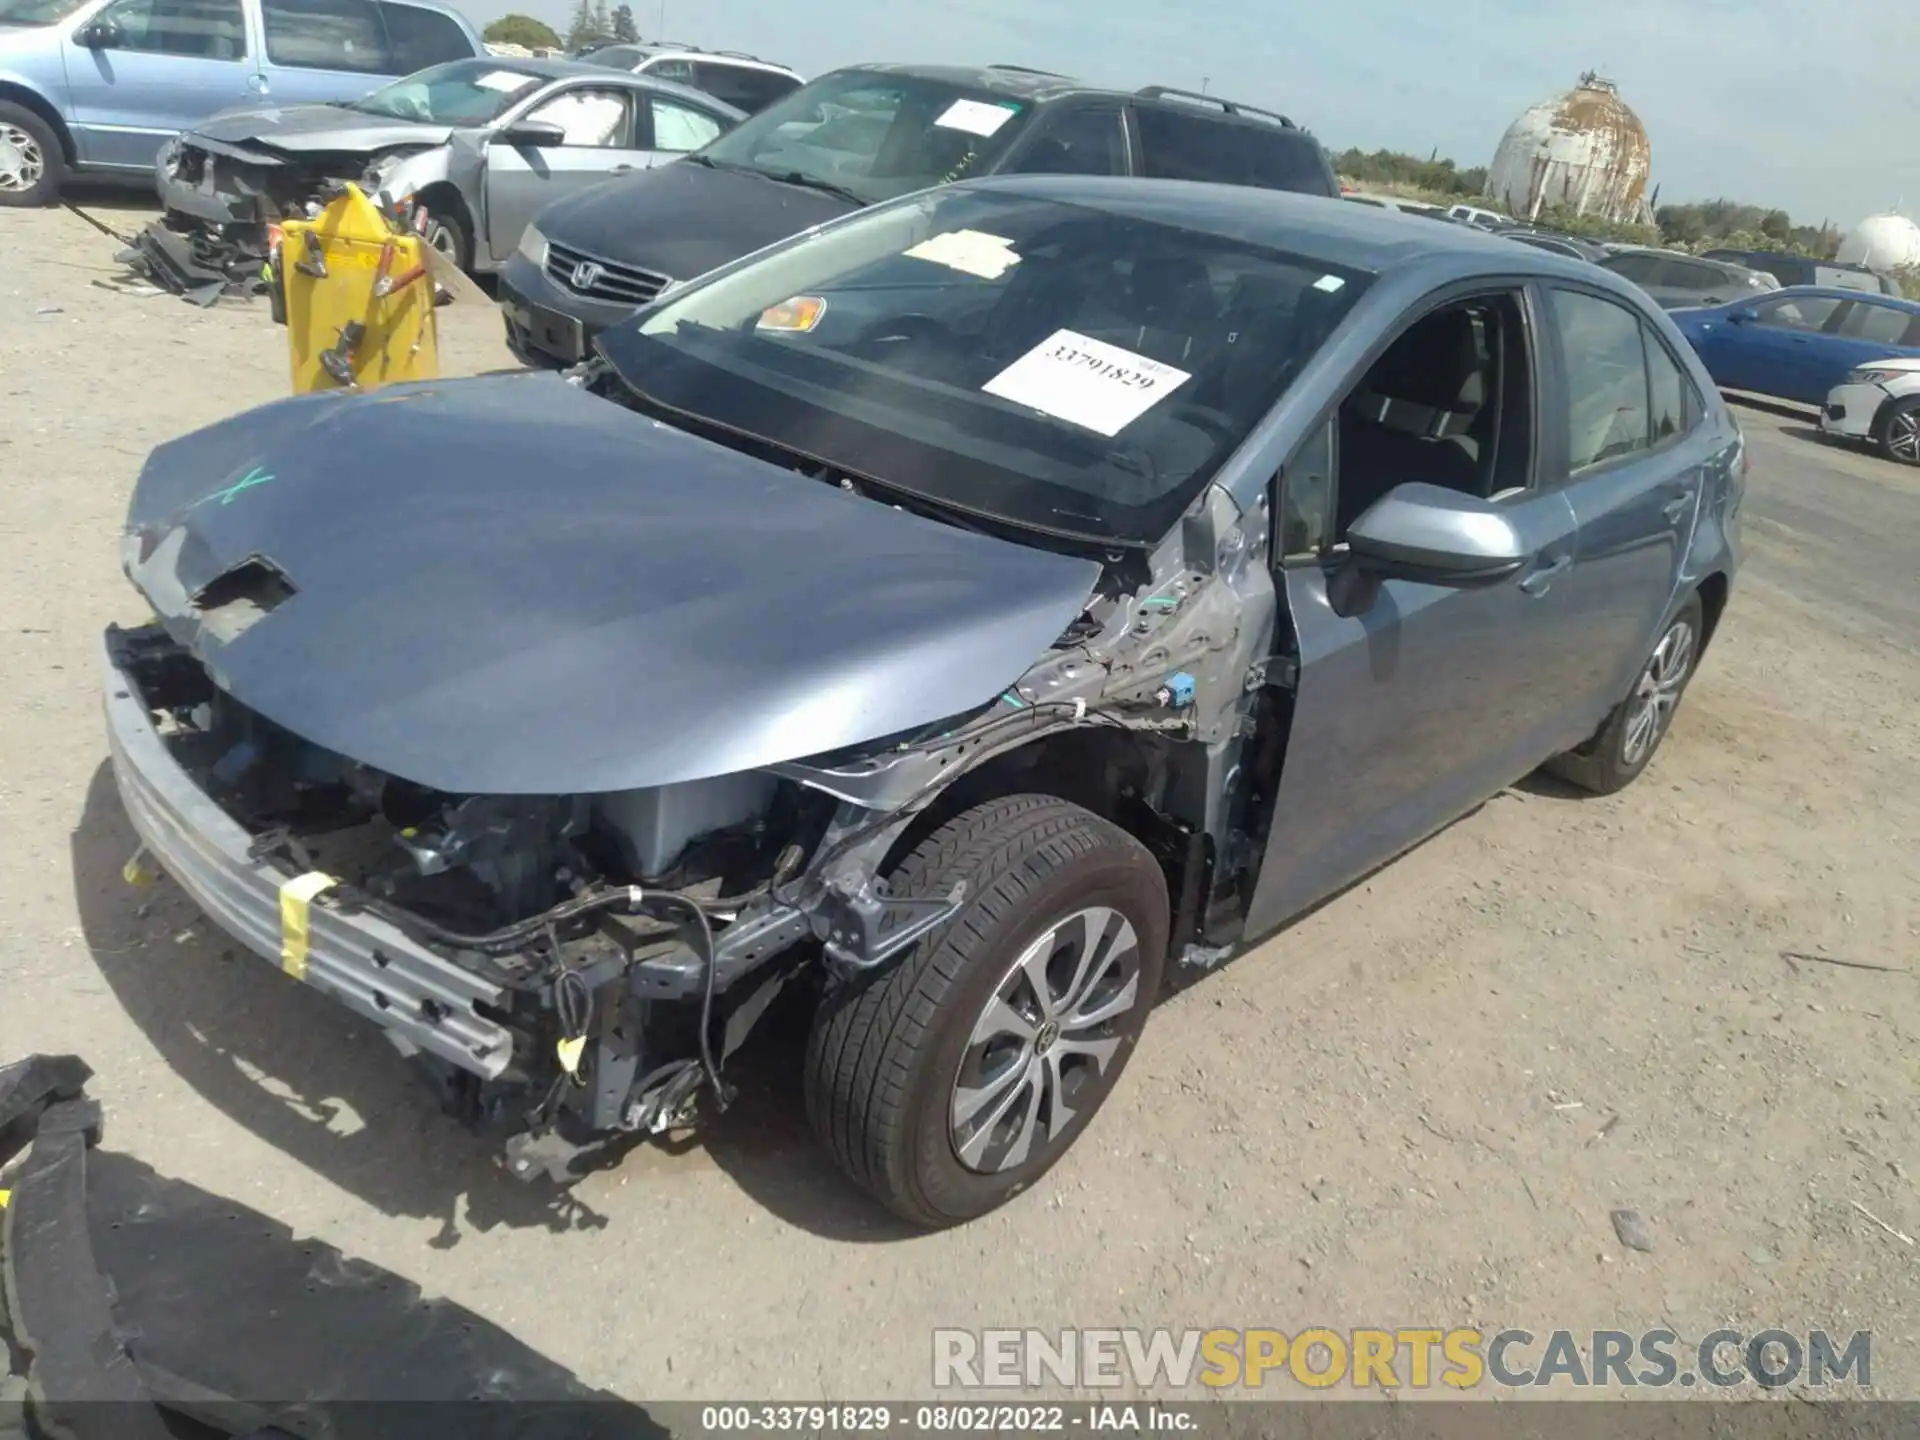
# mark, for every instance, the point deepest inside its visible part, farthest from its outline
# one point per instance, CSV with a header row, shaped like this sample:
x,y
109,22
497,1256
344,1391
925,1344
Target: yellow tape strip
x,y
296,895
5,1196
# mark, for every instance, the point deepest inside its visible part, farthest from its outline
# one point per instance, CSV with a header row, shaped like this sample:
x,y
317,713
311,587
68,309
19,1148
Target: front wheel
x,y
950,1082
31,162
1897,432
1614,758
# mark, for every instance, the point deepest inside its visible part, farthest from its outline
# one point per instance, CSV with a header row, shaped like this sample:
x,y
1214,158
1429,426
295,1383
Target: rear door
x,y
1418,705
323,50
1633,459
171,64
600,124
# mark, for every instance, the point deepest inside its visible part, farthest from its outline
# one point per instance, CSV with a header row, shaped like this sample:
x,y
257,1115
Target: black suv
x,y
850,139
1791,269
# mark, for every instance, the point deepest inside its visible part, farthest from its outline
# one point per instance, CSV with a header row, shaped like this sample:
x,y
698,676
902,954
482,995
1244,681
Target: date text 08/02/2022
x,y
947,1419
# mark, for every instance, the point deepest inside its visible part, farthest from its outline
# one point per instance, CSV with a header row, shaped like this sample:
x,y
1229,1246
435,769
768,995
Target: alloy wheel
x,y
1657,692
21,163
1903,436
1043,1049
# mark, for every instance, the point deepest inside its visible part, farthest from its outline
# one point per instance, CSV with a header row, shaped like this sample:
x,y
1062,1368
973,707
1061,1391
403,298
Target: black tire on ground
x,y
884,1060
1896,431
449,232
53,162
1614,758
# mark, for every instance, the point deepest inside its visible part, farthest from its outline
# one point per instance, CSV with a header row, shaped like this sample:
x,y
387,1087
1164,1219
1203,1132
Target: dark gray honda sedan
x,y
963,617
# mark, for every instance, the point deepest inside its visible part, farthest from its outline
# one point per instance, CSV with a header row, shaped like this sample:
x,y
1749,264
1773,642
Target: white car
x,y
1879,402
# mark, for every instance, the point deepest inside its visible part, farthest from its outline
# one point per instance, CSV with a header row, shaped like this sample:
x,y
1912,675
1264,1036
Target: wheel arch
x,y
1713,590
28,98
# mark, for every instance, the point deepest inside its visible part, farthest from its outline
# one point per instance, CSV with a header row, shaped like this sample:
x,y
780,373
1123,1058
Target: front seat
x,y
1412,415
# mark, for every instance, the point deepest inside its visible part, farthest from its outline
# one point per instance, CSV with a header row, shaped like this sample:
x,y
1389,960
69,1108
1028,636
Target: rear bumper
x,y
366,964
1850,411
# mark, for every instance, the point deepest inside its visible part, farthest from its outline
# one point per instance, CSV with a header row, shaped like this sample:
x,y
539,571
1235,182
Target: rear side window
x,y
1881,324
1638,268
1606,361
202,29
1176,145
1694,275
327,35
678,71
679,128
742,87
421,37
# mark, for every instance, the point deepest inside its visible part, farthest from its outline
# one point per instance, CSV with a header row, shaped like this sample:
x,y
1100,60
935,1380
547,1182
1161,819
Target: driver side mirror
x,y
538,134
102,35
1436,536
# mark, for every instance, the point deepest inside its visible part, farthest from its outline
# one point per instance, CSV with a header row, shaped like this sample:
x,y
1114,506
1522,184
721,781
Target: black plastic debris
x,y
201,265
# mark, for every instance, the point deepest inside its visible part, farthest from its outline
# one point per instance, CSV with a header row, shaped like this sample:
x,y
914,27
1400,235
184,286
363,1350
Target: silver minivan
x,y
97,86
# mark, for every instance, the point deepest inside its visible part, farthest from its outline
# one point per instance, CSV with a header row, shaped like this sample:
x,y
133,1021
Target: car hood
x,y
681,220
507,585
313,129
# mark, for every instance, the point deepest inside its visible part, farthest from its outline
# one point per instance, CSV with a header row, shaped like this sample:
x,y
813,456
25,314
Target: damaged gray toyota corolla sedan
x,y
965,615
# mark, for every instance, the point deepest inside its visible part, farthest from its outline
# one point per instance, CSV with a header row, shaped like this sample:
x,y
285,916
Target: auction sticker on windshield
x,y
505,81
1086,382
971,252
976,117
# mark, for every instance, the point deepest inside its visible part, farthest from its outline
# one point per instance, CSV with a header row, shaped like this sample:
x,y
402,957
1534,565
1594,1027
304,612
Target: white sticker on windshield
x,y
971,252
1329,283
507,82
1086,382
976,117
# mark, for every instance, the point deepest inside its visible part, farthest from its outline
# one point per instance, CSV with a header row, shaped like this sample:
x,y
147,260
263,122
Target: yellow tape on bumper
x,y
296,898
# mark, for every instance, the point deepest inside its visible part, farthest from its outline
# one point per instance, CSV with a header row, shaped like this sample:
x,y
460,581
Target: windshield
x,y
875,135
1065,368
461,92
37,12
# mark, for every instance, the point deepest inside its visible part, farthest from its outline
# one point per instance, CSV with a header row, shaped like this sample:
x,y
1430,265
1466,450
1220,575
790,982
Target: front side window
x,y
327,35
422,37
1798,312
1606,363
202,29
36,12
1880,324
679,128
592,119
1080,140
874,135
1069,369
1640,269
1178,145
464,92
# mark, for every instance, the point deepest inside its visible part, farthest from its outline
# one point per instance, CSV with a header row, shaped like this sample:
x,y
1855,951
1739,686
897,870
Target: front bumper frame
x,y
416,996
1858,406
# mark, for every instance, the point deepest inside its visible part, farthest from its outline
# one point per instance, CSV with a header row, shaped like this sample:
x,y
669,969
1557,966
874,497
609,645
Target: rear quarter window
x,y
327,35
1177,145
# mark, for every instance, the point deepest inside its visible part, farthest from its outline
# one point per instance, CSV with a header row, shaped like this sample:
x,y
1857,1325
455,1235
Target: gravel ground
x,y
1418,1106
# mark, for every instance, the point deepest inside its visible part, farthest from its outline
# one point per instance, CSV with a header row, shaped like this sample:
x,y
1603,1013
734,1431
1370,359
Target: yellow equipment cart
x,y
359,298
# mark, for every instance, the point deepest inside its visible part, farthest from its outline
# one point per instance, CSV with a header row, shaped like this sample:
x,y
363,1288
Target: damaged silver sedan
x,y
480,145
963,618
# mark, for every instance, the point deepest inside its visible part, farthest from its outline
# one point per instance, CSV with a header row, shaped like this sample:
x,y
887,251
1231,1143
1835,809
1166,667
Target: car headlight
x,y
1868,375
533,246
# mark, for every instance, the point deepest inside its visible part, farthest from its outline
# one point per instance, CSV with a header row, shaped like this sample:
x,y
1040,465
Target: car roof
x,y
1026,83
552,70
654,49
1320,228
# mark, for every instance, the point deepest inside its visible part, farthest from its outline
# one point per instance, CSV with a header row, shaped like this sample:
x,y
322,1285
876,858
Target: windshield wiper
x,y
810,182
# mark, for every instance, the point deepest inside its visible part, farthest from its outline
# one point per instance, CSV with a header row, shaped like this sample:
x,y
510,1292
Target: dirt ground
x,y
1415,1107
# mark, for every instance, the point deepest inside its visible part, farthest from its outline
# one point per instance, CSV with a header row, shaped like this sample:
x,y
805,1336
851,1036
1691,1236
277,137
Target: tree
x,y
521,30
623,28
583,30
603,27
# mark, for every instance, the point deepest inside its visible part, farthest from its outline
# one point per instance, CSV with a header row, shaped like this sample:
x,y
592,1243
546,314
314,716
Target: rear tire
x,y
32,164
1628,740
1896,433
949,1082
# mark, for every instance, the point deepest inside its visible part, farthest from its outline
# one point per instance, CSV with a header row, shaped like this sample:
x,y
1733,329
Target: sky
x,y
1807,105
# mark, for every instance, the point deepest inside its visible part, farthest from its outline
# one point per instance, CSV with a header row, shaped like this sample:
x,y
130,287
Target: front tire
x,y
1614,758
32,163
1896,434
951,1081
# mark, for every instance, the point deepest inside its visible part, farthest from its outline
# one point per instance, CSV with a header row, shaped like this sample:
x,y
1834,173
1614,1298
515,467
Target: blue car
x,y
1797,344
95,87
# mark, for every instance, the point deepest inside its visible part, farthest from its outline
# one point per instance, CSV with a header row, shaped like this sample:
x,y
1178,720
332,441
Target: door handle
x,y
1540,580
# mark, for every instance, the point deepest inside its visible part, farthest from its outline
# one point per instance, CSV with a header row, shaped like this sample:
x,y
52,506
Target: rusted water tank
x,y
1584,151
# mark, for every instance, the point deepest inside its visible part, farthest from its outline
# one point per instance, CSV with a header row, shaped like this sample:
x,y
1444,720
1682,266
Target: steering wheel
x,y
911,329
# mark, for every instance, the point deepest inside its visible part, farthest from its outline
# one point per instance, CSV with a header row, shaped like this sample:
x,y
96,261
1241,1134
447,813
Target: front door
x,y
1775,350
157,67
1420,700
598,125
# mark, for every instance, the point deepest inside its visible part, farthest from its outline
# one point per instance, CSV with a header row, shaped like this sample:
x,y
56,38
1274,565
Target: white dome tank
x,y
1584,151
1883,243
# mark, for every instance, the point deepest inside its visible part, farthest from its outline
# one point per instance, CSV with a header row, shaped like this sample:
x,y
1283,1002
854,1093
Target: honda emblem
x,y
587,274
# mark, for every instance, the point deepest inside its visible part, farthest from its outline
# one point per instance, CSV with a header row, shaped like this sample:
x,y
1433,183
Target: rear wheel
x,y
1897,431
950,1082
1614,758
31,161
